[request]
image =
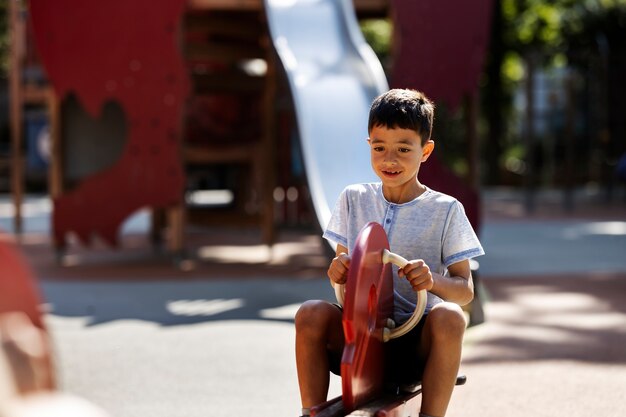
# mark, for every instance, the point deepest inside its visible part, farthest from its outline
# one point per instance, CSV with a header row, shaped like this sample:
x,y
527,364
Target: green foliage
x,y
378,34
595,26
512,68
552,27
532,24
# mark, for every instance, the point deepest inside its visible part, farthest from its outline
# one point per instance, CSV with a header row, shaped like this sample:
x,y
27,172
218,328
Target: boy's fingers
x,y
422,281
339,268
418,274
344,258
337,277
412,267
342,264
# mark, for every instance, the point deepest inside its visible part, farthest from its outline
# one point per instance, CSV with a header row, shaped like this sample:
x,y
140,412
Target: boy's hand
x,y
338,269
418,274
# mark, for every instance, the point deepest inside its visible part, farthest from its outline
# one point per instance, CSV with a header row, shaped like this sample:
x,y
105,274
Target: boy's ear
x,y
427,149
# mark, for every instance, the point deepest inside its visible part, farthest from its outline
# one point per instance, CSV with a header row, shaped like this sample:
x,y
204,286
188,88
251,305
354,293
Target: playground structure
x,y
198,85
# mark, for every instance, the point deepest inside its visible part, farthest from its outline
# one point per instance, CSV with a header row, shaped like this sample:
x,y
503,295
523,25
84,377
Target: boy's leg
x,y
318,332
441,345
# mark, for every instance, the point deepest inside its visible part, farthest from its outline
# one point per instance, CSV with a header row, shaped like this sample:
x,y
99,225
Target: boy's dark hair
x,y
404,109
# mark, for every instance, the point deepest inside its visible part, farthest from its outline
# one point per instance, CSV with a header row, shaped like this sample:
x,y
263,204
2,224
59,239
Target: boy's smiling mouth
x,y
391,173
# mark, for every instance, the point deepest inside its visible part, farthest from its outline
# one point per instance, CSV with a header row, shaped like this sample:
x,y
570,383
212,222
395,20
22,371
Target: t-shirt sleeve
x,y
459,239
337,228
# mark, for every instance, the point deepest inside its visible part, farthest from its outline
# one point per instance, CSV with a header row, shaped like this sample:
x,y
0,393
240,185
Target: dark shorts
x,y
403,363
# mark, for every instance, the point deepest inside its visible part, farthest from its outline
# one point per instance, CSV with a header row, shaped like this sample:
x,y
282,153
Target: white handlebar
x,y
388,333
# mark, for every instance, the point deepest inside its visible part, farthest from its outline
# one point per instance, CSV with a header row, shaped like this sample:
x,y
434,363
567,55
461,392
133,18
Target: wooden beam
x,y
225,53
226,82
55,167
219,154
239,26
225,4
377,7
17,42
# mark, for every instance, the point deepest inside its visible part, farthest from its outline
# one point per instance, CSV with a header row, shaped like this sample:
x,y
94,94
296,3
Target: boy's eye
x,y
404,150
378,148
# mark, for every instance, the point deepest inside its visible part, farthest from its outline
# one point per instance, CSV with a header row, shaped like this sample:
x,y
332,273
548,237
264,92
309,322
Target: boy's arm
x,y
338,269
457,288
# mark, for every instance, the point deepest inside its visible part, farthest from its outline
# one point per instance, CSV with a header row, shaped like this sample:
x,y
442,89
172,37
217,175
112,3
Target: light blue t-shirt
x,y
432,227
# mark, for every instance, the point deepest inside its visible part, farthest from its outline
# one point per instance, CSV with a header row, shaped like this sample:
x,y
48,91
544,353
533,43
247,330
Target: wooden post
x,y
570,115
55,167
175,217
529,137
176,221
16,31
269,144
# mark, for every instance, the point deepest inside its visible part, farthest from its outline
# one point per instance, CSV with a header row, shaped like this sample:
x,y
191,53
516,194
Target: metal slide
x,y
334,75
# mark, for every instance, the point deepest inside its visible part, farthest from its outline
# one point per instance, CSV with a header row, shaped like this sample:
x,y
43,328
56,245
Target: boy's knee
x,y
314,315
447,320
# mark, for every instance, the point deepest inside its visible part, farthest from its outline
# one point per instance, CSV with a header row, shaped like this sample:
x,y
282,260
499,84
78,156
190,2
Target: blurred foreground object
x,y
18,291
22,330
50,404
27,377
26,353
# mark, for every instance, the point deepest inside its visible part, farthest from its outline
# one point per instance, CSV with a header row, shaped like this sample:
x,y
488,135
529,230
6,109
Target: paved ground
x,y
140,338
552,346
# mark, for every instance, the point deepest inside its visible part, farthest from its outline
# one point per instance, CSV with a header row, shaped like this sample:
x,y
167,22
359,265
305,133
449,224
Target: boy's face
x,y
397,154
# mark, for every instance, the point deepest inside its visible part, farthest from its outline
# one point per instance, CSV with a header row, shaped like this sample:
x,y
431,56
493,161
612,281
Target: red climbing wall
x,y
127,51
439,48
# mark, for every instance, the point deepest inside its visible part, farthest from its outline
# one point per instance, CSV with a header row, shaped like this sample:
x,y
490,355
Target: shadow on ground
x,y
579,318
215,254
176,303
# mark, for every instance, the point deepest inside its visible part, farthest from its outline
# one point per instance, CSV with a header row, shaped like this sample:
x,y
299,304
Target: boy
x,y
421,224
